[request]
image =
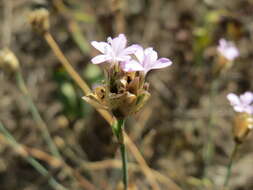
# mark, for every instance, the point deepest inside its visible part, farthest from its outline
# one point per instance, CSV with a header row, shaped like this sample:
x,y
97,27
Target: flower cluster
x,y
115,50
243,124
227,53
228,50
124,91
242,103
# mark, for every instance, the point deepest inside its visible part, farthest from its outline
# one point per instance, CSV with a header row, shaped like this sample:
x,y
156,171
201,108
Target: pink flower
x,y
132,65
113,50
242,103
228,49
146,60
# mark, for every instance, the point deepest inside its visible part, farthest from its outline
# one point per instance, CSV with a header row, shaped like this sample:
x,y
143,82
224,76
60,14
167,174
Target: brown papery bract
x,y
242,126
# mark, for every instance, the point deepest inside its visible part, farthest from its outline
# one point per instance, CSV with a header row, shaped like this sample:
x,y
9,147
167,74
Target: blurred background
x,y
184,131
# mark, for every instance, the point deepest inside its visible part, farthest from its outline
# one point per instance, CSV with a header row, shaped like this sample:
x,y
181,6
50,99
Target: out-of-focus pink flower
x,y
113,50
228,49
146,60
242,103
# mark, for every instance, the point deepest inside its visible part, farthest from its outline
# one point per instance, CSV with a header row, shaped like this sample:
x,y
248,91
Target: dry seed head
x,y
123,94
8,60
126,95
243,124
39,20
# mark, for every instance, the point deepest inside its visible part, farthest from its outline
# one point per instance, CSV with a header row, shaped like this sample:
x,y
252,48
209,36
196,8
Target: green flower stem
x,y
208,151
36,115
34,163
118,129
229,167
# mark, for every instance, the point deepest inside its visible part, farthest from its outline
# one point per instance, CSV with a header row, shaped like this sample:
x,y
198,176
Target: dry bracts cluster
x,y
124,90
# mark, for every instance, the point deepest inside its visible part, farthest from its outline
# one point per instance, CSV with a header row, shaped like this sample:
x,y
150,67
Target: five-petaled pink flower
x,y
146,60
228,49
242,103
113,50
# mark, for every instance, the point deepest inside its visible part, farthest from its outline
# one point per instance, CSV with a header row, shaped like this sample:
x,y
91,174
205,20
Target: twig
x,y
75,76
34,163
50,40
36,115
144,166
54,162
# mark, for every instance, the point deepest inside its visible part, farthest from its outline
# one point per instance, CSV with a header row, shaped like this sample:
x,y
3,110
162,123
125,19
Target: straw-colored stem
x,y
34,163
74,75
36,115
144,166
230,164
50,40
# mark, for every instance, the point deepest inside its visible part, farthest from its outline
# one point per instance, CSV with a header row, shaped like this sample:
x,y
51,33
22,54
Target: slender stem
x,y
144,166
209,146
229,167
75,76
36,115
118,129
34,163
124,162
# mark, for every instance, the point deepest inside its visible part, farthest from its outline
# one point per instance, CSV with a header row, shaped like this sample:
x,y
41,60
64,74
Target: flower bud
x,y
39,20
243,124
8,60
227,53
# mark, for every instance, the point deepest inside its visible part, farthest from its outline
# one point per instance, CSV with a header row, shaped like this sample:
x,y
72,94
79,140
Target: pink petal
x,y
228,49
103,47
249,109
131,49
150,55
139,54
233,99
119,43
100,59
239,108
123,58
247,98
232,53
222,42
162,63
130,66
